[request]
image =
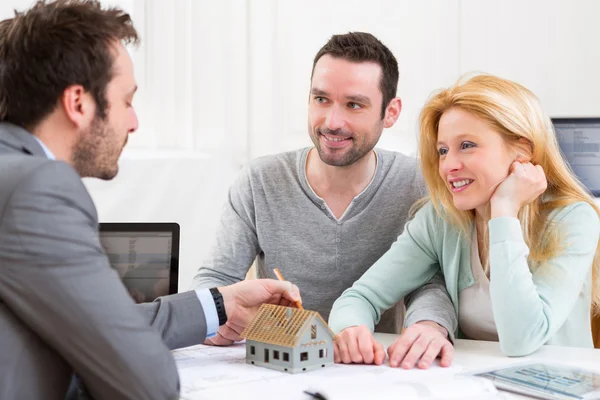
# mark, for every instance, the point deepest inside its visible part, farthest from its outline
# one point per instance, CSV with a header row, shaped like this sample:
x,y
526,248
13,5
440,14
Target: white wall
x,y
550,46
285,37
224,81
189,190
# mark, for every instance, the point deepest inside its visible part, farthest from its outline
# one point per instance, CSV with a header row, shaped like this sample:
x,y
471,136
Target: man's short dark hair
x,y
52,46
364,47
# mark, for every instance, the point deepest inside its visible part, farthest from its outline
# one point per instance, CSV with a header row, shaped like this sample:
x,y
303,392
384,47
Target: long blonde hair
x,y
514,112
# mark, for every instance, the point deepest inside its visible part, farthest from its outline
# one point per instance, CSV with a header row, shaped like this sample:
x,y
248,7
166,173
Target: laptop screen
x,y
146,256
579,140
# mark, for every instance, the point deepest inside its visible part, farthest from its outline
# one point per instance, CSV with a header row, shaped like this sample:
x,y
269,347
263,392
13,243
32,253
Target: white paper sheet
x,y
208,372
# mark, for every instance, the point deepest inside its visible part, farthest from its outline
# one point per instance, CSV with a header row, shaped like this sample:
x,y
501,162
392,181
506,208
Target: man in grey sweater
x,y
324,215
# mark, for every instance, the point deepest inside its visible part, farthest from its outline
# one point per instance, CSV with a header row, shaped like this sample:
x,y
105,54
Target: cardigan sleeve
x,y
529,307
408,264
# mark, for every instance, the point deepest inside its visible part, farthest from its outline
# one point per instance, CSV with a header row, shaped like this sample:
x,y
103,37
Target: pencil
x,y
280,277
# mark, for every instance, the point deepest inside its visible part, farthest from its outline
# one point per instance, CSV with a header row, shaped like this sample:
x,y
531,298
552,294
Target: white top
x,y
475,316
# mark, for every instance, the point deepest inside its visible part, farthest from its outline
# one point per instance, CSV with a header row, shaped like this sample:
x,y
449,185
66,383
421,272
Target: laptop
x,y
579,141
146,256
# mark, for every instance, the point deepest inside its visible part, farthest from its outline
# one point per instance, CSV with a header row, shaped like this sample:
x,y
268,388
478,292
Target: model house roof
x,y
282,326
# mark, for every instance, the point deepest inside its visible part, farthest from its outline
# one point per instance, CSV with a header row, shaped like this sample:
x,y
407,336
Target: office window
x,y
313,332
286,356
275,355
252,350
304,356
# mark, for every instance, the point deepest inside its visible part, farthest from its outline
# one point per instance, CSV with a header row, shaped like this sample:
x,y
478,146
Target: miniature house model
x,y
288,339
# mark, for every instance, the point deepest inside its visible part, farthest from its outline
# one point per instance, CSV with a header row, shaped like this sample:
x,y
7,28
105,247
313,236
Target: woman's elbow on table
x,y
519,345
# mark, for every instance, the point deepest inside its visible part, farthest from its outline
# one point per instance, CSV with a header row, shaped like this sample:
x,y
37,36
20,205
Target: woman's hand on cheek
x,y
525,183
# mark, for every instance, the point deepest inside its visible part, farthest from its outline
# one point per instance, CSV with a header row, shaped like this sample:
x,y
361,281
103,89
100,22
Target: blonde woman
x,y
511,228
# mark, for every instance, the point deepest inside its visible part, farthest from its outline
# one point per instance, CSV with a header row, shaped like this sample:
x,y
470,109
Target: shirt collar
x,y
49,154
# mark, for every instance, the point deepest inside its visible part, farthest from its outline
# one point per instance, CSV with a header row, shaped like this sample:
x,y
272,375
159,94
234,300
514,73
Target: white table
x,y
475,355
222,373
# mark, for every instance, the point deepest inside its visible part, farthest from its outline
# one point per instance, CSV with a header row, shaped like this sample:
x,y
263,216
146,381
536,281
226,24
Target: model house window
x,y
313,332
322,353
304,356
252,350
275,355
286,356
266,355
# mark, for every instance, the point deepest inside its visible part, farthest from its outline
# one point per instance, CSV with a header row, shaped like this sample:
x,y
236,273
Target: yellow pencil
x,y
280,277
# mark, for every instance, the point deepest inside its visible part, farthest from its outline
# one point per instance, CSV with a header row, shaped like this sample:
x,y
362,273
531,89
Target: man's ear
x,y
392,112
79,105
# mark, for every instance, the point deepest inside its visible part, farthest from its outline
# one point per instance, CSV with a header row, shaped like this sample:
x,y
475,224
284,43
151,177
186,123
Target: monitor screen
x,y
144,259
579,141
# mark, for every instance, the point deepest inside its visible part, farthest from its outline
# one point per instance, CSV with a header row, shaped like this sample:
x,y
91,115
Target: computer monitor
x,y
579,141
146,256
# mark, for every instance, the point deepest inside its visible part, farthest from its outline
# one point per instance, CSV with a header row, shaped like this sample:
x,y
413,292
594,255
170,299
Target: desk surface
x,y
470,355
478,354
475,355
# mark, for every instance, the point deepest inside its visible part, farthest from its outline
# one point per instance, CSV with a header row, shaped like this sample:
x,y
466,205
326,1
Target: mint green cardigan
x,y
548,303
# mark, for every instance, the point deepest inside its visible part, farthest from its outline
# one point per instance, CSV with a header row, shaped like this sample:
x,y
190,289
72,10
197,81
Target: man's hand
x,y
356,344
242,301
422,342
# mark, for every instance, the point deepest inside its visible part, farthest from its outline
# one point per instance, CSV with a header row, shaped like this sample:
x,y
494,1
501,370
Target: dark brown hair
x,y
364,47
52,46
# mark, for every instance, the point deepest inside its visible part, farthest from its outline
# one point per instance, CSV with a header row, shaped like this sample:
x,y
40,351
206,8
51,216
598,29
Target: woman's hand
x,y
525,183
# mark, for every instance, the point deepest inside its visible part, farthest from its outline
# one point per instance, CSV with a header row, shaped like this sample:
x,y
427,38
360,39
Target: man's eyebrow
x,y
318,92
359,98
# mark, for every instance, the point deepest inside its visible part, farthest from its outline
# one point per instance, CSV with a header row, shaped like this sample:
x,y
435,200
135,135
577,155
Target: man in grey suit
x,y
66,87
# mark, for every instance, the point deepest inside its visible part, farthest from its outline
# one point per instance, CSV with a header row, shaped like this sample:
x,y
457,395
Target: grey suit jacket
x,y
62,307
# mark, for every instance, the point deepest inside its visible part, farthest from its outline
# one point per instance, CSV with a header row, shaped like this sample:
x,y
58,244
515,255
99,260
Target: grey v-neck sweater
x,y
272,215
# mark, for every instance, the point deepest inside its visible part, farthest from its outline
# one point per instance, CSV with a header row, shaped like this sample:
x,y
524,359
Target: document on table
x,y
209,372
546,381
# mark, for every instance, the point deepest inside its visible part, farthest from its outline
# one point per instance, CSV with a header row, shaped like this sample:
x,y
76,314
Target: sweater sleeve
x,y
530,307
431,302
235,246
408,264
